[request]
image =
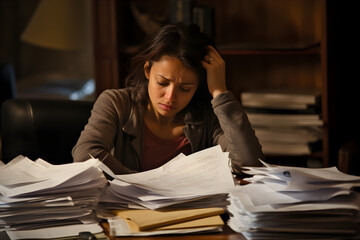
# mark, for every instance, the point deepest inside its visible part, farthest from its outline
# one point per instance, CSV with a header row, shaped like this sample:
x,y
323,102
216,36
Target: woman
x,y
175,101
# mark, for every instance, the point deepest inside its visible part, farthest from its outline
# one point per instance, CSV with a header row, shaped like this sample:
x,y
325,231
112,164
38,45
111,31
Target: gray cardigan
x,y
114,131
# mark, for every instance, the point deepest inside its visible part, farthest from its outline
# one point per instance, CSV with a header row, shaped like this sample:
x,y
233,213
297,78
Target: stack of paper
x,y
286,121
199,181
295,99
37,197
296,203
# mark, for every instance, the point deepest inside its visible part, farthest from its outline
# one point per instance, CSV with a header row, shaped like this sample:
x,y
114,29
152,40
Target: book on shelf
x,y
279,137
289,148
279,140
285,120
289,134
204,17
309,110
266,46
281,99
279,148
180,11
184,11
283,107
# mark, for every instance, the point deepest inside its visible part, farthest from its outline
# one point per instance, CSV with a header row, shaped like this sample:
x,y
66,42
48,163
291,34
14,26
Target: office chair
x,y
42,128
7,82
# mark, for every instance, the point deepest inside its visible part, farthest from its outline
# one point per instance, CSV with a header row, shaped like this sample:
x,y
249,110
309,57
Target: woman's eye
x,y
162,83
185,90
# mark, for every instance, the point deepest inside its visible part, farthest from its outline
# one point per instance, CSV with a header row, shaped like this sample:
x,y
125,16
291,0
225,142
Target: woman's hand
x,y
215,70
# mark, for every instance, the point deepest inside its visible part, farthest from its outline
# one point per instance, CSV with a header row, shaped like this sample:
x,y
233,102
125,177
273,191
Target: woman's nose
x,y
170,93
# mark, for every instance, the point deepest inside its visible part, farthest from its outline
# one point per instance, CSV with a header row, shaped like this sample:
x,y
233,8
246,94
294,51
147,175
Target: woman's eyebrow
x,y
163,77
188,83
183,83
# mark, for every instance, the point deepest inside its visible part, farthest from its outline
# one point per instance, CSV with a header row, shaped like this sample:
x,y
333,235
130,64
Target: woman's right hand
x,y
214,65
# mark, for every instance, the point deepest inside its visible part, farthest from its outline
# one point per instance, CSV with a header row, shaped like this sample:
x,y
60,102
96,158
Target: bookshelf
x,y
265,43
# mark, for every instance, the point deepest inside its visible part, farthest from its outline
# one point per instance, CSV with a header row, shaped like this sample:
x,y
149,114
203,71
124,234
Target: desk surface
x,y
227,234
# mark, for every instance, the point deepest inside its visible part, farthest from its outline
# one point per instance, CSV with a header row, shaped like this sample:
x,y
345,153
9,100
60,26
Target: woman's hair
x,y
184,42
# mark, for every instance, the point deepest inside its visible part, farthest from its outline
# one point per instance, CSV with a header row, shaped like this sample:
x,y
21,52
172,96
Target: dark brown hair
x,y
185,42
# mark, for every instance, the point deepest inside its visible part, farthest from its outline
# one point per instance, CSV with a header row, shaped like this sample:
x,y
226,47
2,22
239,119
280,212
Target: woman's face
x,y
171,85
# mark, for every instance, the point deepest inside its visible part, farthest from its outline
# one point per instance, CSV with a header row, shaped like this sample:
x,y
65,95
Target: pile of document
x,y
41,200
286,121
296,203
199,182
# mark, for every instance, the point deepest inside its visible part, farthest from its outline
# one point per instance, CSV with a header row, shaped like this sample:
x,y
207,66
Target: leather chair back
x,y
7,83
39,128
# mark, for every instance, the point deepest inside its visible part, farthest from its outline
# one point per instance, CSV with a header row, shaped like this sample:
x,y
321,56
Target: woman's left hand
x,y
215,70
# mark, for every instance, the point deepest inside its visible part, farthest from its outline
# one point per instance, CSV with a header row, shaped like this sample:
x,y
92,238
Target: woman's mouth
x,y
166,107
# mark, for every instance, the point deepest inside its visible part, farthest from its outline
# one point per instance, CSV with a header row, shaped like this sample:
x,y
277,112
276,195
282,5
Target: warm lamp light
x,y
59,24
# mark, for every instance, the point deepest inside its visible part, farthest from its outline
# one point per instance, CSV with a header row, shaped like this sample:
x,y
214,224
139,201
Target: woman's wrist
x,y
218,92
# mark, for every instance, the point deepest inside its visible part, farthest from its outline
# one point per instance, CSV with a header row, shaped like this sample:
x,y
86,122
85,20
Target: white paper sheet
x,y
201,173
55,232
37,177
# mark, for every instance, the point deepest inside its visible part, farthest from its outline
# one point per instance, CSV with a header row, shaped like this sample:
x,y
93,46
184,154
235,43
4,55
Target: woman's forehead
x,y
171,67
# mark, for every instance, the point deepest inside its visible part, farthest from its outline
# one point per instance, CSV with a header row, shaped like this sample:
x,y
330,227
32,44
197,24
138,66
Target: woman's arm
x,y
99,135
236,134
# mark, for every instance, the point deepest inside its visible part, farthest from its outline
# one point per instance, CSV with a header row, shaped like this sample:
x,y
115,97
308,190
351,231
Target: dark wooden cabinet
x,y
265,43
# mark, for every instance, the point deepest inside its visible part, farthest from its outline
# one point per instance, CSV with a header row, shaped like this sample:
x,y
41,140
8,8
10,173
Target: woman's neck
x,y
164,127
154,117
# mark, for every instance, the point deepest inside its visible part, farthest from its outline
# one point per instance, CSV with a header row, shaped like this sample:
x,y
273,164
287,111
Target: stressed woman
x,y
175,101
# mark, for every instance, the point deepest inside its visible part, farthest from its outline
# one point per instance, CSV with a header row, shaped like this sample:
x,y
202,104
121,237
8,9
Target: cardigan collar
x,y
134,124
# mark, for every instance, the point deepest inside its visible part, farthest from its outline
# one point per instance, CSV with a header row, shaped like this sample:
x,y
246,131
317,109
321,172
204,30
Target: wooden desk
x,y
227,234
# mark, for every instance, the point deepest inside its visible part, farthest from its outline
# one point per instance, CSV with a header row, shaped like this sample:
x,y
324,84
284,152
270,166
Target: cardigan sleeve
x,y
99,135
236,135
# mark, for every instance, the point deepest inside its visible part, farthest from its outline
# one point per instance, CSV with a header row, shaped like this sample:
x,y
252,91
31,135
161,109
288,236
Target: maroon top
x,y
158,151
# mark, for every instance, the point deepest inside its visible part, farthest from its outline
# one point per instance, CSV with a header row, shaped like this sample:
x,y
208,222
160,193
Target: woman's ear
x,y
147,69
